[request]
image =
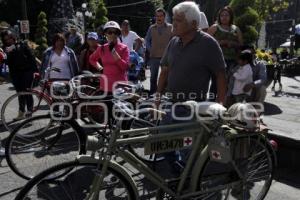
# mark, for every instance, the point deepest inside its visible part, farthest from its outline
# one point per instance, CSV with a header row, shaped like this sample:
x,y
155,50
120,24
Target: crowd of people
x,y
196,62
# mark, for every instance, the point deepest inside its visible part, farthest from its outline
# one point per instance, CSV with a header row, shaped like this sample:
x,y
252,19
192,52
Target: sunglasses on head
x,y
112,32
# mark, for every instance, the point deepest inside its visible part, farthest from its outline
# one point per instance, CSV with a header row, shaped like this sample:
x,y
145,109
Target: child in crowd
x,y
242,76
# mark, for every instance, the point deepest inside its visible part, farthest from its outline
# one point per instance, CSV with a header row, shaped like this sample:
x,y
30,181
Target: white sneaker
x,y
21,115
2,151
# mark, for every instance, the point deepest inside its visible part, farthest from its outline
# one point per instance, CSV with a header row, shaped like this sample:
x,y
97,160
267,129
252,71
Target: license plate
x,y
167,145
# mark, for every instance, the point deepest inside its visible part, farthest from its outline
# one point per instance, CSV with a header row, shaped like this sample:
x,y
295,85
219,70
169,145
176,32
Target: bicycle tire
x,y
211,176
62,188
10,105
61,141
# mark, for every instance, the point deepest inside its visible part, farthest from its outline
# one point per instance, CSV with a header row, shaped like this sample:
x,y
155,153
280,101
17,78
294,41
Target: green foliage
x,y
42,16
249,16
101,14
158,3
250,34
241,5
247,19
41,34
42,22
92,5
265,7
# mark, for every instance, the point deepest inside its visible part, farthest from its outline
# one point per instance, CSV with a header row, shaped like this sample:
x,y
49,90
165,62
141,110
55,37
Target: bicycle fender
x,y
115,166
200,162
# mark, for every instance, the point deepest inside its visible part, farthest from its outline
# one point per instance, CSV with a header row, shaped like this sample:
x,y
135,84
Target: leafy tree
x,y
101,13
92,5
247,19
41,34
158,3
250,14
265,7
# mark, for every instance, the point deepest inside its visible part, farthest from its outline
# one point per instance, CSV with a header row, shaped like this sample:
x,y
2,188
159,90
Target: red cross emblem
x,y
187,141
216,155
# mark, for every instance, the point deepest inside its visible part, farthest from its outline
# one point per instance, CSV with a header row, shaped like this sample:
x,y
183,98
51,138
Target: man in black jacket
x,y
22,66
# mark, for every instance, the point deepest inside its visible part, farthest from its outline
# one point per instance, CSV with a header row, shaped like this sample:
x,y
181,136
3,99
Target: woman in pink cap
x,y
114,57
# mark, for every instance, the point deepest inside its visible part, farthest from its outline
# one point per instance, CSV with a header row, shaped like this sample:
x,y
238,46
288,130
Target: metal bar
x,y
158,136
161,128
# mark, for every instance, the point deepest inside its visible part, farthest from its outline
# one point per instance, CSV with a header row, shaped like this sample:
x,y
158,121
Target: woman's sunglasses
x,y
112,32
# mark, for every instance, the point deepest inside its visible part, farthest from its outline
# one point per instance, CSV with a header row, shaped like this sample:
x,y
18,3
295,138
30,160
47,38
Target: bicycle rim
x,y
31,148
257,169
10,108
76,184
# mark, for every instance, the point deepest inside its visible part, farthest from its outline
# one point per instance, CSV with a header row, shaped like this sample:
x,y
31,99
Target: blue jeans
x,y
154,69
176,158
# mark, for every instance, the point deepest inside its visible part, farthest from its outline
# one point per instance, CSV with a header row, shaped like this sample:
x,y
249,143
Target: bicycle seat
x,y
211,109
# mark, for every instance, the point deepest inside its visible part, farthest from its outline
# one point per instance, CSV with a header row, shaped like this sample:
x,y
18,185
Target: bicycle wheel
x,y
76,184
256,166
35,145
9,110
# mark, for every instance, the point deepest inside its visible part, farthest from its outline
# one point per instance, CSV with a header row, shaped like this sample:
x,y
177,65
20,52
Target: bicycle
x,y
41,141
235,176
42,100
39,96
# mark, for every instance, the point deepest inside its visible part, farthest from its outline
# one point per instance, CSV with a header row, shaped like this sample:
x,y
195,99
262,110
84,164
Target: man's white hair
x,y
190,10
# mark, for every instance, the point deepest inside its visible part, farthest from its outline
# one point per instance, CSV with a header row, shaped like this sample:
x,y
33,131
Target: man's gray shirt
x,y
191,66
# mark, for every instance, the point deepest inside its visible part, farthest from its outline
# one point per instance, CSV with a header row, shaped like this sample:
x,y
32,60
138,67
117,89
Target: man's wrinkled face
x,y
180,24
160,17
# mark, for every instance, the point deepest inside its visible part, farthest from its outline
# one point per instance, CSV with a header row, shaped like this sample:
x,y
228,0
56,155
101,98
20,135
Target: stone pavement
x,y
283,110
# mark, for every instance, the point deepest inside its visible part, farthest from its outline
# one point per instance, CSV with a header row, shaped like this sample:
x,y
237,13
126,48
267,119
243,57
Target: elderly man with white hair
x,y
203,23
190,59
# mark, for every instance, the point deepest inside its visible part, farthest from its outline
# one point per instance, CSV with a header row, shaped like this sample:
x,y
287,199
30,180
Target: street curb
x,y
288,151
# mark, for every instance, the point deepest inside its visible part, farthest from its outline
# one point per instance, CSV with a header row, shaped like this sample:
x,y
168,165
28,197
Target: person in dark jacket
x,y
22,66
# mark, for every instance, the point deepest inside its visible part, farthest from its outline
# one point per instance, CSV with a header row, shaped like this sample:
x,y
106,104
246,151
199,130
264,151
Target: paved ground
x,y
282,115
283,110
